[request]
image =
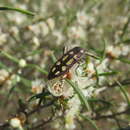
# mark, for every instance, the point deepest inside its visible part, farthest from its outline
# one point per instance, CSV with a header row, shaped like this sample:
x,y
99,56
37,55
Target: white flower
x,y
36,41
37,86
61,6
122,20
102,66
68,91
57,124
113,51
59,36
51,23
35,29
3,38
14,30
39,28
84,19
58,87
16,123
17,17
3,74
81,80
22,63
81,17
99,90
122,106
44,28
70,125
70,114
125,49
116,51
15,77
95,11
88,91
76,32
90,69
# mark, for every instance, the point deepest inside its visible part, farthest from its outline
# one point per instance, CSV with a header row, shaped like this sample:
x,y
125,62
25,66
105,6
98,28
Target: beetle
x,y
65,63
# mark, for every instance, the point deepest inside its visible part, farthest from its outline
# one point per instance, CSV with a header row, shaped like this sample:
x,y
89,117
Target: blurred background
x,y
29,46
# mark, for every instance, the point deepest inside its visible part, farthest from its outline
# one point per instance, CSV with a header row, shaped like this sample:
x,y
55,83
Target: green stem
x,y
18,10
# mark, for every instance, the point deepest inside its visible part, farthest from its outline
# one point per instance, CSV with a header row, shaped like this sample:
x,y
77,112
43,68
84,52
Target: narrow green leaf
x,y
124,60
3,66
25,81
53,58
12,58
18,10
91,121
38,96
108,73
97,76
126,41
34,97
99,100
38,68
35,52
124,92
124,30
104,50
82,98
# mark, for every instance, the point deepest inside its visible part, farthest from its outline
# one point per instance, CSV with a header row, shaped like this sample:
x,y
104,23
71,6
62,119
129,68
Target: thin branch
x,y
112,115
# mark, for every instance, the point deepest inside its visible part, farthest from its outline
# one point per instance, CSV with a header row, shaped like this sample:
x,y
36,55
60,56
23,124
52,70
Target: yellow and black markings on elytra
x,y
63,65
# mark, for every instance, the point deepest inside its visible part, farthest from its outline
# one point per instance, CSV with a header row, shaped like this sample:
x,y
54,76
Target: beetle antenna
x,y
92,55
